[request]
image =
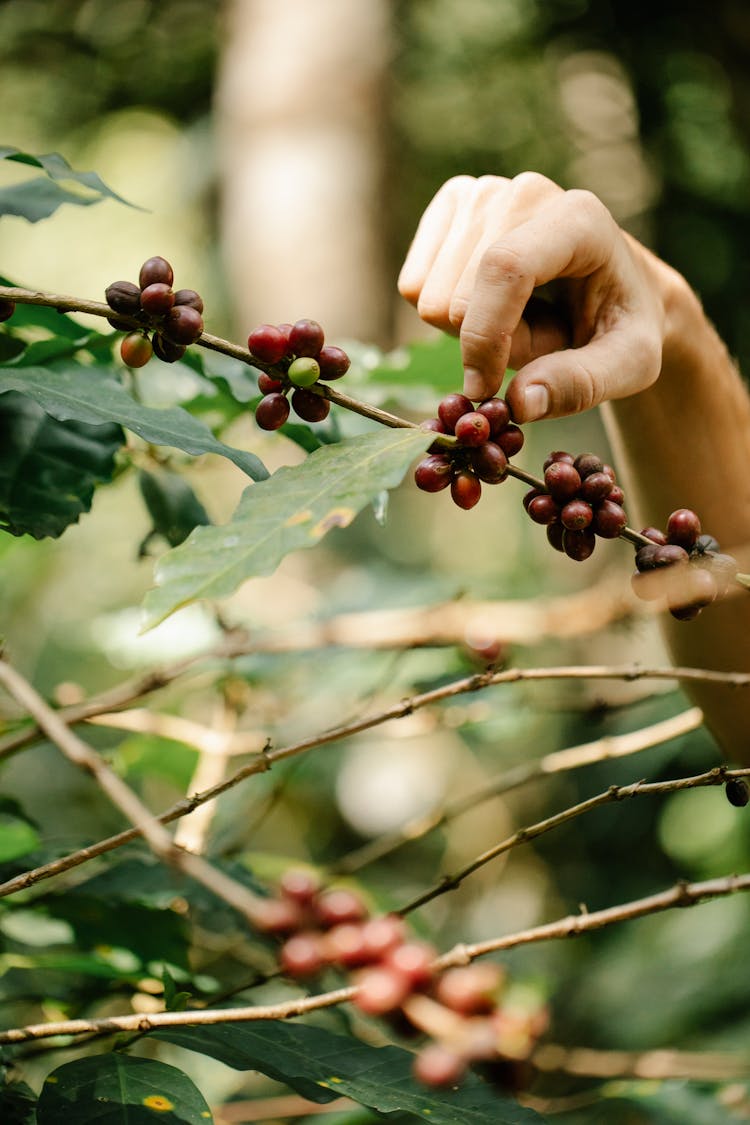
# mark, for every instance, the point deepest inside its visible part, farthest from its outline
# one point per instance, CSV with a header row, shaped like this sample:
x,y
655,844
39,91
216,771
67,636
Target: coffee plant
x,y
115,945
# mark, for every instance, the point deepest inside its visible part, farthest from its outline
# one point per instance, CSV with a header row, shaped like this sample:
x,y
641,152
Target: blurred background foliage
x,y
649,106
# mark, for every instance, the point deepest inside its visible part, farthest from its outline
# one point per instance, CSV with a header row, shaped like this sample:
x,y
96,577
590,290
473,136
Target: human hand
x,y
483,246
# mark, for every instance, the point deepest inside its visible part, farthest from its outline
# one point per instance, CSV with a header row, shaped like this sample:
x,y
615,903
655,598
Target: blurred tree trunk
x,y
299,111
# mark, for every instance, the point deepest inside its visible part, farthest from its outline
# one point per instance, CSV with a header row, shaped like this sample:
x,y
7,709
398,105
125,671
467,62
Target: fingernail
x,y
535,402
474,384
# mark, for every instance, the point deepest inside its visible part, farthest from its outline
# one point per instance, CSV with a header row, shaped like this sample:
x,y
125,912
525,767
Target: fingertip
x,y
478,386
529,403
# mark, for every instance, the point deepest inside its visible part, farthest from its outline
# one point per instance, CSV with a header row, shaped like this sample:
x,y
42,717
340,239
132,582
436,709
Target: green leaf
x,y
57,169
91,395
151,935
119,1090
433,363
49,469
292,509
172,505
37,199
17,1104
17,837
322,1066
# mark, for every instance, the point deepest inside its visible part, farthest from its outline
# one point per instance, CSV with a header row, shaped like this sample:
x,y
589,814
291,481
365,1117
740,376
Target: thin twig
x,y
680,895
660,1064
574,757
399,710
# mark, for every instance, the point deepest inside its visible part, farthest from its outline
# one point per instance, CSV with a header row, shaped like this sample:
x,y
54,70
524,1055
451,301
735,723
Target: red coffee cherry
x,y
438,1065
433,473
309,406
279,916
466,489
543,509
576,515
299,885
683,528
339,905
165,350
511,440
469,989
272,412
268,385
413,960
472,429
562,481
497,413
453,407
7,308
380,990
489,463
189,297
267,343
306,338
155,270
302,955
558,455
136,349
333,361
183,325
609,520
578,545
588,463
157,299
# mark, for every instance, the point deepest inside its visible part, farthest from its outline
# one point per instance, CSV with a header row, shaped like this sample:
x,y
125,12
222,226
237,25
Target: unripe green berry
x,y
303,372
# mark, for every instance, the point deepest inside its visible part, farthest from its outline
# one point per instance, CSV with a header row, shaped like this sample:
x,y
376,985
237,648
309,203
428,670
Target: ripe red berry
x,y
595,488
670,554
306,338
453,407
437,1065
465,489
136,349
434,425
616,494
183,325
562,481
189,297
279,916
469,989
155,270
645,557
576,515
268,385
272,411
302,955
511,440
413,960
558,455
472,429
267,343
489,463
683,528
339,905
433,473
157,299
309,406
609,520
299,885
555,532
655,535
345,945
543,509
497,413
382,934
380,990
333,361
124,297
579,545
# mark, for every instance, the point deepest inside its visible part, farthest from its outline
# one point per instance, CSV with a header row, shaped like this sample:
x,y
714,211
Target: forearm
x,y
685,442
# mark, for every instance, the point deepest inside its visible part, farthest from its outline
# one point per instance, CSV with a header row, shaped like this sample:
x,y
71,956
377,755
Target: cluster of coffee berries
x,y
174,318
581,499
485,439
7,308
395,978
682,565
300,357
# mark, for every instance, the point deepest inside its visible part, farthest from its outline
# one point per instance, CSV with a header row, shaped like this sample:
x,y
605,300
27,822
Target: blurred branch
x,y
144,823
274,1109
207,740
405,707
680,895
585,1062
601,750
716,776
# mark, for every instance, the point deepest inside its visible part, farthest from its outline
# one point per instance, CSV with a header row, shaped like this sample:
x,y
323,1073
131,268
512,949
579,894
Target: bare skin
x,y
625,332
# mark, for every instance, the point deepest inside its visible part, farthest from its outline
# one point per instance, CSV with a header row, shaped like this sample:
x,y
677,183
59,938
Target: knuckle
x,y
501,264
533,184
645,351
457,311
456,185
580,393
587,206
432,311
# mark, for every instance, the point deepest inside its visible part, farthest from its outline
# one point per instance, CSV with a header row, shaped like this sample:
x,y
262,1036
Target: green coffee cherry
x,y
304,371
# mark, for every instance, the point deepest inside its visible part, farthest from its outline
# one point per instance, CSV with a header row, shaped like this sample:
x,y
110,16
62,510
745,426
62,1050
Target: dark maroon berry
x,y
686,612
465,489
669,554
309,406
610,473
136,349
472,429
533,492
434,425
183,325
285,329
157,299
558,455
655,535
433,473
706,543
489,463
189,297
579,545
644,557
306,338
155,270
555,532
124,297
576,515
737,791
588,463
616,495
497,413
511,440
267,343
683,528
334,362
609,520
595,488
7,308
543,509
451,408
562,481
272,412
267,385
165,350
